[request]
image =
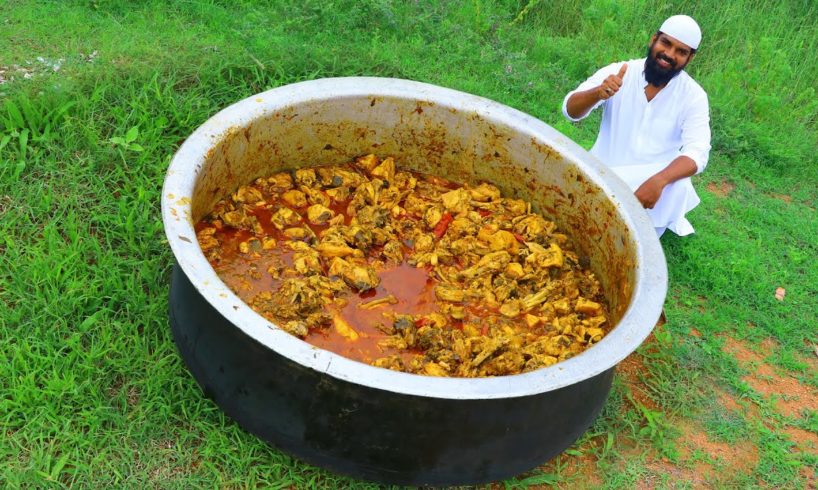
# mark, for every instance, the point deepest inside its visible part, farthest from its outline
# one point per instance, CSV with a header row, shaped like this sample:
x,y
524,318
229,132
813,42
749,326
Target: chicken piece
x,y
587,307
280,182
533,227
335,249
250,245
395,363
561,306
594,334
318,214
361,278
386,170
336,176
305,259
457,312
432,217
294,198
344,328
462,227
338,194
491,262
238,219
515,207
504,288
206,239
367,163
487,346
540,257
514,270
424,243
499,240
449,292
268,243
532,321
360,238
595,321
434,369
295,327
389,198
298,233
510,308
532,300
405,181
456,201
539,361
305,176
430,337
372,216
509,362
485,192
393,251
435,319
386,300
294,299
247,194
415,204
462,246
284,217
337,266
366,194
315,196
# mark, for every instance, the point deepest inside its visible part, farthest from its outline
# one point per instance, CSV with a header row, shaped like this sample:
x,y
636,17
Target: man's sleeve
x,y
696,132
593,81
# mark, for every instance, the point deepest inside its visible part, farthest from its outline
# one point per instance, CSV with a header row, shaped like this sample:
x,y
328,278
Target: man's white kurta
x,y
638,138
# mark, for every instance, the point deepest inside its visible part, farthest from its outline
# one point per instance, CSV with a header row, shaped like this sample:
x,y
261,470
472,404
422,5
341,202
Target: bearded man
x,y
655,131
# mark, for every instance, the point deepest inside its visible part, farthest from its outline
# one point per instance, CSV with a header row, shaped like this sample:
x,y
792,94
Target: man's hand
x,y
650,191
578,105
611,85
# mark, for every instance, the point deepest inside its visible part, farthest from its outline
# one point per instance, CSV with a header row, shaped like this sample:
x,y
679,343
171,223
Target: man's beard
x,y
656,75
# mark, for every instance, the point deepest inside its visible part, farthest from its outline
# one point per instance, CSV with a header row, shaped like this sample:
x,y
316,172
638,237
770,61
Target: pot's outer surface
x,y
433,130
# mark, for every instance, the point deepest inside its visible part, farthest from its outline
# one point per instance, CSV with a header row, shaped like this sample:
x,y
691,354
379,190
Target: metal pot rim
x,y
635,325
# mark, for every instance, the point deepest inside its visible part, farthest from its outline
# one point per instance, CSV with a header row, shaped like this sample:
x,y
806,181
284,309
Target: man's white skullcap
x,y
683,28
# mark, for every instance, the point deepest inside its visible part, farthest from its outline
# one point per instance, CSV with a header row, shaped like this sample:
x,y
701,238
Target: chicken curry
x,y
406,271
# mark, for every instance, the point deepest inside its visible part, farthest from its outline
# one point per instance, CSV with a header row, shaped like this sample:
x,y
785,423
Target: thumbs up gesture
x,y
611,84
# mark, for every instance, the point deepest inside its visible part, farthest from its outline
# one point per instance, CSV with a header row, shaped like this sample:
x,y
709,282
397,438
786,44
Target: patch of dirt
x,y
576,472
702,462
781,197
789,397
732,459
727,401
746,409
628,370
721,189
695,333
809,475
805,440
811,358
698,476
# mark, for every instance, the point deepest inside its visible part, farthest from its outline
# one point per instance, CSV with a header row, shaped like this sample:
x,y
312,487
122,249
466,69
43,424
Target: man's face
x,y
667,57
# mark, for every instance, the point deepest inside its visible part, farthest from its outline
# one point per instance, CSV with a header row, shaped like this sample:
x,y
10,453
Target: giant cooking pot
x,y
373,423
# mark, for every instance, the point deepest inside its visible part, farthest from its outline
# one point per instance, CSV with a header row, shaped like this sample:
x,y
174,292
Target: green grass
x,y
93,392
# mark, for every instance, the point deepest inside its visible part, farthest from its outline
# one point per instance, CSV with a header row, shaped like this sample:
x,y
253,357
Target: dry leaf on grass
x,y
779,294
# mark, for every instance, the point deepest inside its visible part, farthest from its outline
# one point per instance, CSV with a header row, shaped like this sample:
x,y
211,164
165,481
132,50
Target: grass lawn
x,y
96,95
